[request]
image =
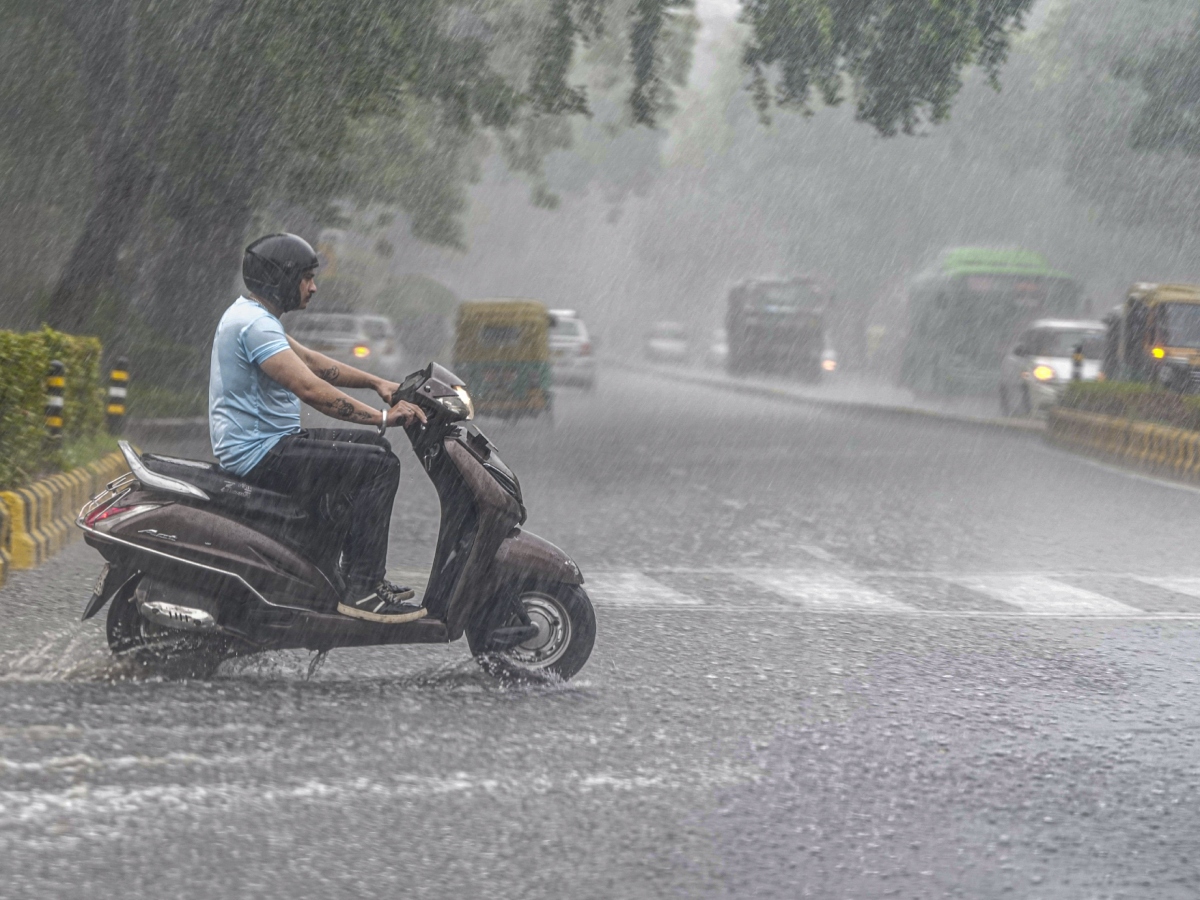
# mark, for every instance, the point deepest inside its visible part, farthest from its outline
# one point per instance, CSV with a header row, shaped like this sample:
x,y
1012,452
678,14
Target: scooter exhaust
x,y
190,616
172,615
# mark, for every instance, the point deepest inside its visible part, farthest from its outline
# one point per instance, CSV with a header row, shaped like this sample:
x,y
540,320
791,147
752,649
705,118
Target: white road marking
x,y
635,589
1040,595
1025,593
1189,586
824,591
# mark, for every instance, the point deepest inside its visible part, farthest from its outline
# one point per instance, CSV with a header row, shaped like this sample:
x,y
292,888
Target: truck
x,y
778,326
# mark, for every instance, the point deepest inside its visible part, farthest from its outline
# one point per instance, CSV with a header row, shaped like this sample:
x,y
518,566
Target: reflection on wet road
x,y
839,655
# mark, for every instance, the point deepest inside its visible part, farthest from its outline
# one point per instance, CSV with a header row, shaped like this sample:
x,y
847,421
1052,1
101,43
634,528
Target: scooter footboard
x,y
523,555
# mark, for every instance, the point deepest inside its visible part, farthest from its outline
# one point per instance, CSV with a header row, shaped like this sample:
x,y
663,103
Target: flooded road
x,y
839,655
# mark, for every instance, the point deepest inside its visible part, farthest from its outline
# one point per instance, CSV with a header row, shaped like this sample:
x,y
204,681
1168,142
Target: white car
x,y
668,342
571,358
829,360
1039,365
367,342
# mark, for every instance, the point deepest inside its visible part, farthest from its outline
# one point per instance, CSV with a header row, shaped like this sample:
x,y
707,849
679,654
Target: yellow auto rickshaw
x,y
1155,331
502,352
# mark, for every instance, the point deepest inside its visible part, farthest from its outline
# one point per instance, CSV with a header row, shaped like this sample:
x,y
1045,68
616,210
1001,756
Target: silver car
x,y
1039,365
668,342
571,358
367,342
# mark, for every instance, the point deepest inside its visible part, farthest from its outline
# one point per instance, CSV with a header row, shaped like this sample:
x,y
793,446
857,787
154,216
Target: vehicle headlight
x,y
460,404
1044,373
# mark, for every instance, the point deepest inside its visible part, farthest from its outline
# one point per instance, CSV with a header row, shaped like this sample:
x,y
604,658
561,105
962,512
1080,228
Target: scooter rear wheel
x,y
566,624
133,637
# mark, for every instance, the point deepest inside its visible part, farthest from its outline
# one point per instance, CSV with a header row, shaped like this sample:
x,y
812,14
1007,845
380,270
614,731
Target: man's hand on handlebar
x,y
385,389
405,413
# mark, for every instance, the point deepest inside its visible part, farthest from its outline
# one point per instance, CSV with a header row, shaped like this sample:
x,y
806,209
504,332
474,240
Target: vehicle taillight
x,y
102,514
115,514
585,349
362,351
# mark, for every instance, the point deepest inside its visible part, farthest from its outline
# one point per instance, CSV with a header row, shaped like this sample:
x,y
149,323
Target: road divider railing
x,y
36,521
1153,448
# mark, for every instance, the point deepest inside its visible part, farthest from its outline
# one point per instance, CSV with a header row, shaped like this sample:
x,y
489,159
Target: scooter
x,y
199,562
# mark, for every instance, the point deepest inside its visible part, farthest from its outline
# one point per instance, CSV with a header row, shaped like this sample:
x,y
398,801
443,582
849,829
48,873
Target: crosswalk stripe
x,y
636,589
824,591
1041,595
1187,586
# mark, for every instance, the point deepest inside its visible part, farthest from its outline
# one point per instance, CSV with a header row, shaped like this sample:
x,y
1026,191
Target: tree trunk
x,y
191,287
133,89
132,94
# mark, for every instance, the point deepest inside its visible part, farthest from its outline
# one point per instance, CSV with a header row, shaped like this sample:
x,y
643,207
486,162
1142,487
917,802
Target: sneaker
x,y
396,591
383,605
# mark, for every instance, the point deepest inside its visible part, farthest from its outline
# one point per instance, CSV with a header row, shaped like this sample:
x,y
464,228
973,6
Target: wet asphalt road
x,y
839,656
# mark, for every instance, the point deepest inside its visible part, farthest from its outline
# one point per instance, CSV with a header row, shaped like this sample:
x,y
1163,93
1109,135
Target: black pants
x,y
346,479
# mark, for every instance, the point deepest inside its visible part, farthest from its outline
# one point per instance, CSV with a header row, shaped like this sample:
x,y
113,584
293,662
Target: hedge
x,y
1133,400
25,450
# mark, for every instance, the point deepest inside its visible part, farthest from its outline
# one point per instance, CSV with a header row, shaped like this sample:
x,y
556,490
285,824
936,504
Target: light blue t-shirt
x,y
248,412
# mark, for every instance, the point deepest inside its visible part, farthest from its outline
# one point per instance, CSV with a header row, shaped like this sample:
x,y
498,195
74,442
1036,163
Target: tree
x,y
903,58
200,117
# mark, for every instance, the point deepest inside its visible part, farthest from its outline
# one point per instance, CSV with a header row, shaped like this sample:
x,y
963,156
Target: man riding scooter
x,y
346,477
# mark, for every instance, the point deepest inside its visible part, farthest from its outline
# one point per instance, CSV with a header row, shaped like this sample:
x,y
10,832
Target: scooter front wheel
x,y
566,631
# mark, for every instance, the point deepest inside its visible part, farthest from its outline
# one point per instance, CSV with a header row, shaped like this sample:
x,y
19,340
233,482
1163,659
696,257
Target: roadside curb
x,y
1155,449
795,396
36,520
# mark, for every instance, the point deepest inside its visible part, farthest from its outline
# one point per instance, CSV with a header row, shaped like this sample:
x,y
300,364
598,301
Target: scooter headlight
x,y
460,404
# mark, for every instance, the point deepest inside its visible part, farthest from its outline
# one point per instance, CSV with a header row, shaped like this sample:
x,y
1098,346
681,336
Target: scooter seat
x,y
225,490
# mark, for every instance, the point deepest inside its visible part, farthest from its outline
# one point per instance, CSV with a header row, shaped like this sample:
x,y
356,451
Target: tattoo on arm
x,y
331,374
341,408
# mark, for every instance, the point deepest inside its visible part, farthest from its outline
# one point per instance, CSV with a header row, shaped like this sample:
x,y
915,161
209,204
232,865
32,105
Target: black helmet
x,y
274,266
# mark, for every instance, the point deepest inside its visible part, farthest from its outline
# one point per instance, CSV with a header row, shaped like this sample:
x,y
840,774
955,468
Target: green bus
x,y
965,310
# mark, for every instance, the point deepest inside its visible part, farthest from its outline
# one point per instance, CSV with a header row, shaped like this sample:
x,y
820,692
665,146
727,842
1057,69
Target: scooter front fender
x,y
522,555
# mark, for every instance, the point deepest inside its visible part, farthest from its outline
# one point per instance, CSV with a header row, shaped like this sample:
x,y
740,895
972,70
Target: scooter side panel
x,y
198,535
525,555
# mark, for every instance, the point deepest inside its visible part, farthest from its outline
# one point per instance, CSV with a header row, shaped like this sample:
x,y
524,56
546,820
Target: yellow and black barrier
x,y
1156,449
38,520
118,390
56,382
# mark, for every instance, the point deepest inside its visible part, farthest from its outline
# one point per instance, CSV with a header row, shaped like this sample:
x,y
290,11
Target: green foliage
x,y
87,449
1130,400
25,449
904,58
84,394
24,360
151,136
1116,81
